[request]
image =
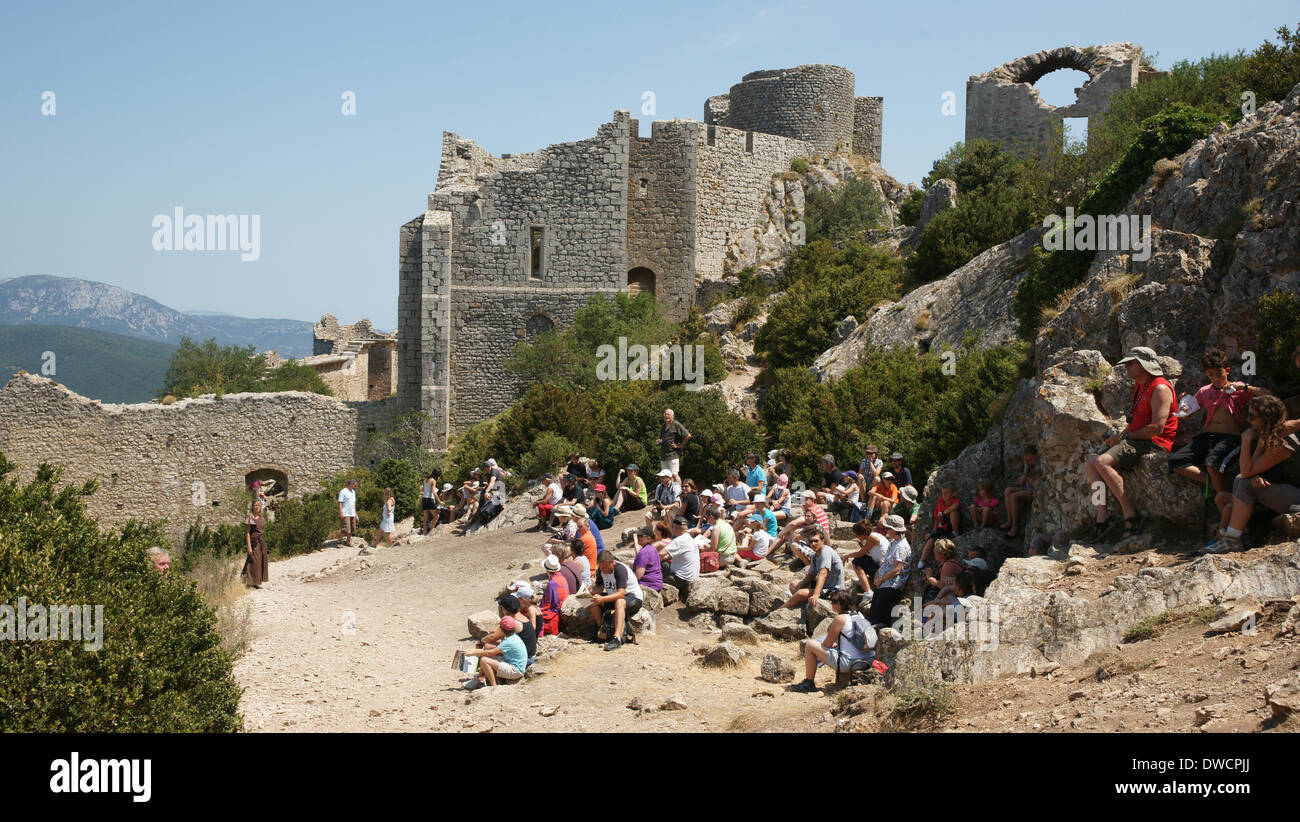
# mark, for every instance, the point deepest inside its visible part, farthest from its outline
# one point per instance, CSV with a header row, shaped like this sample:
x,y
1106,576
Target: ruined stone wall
x,y
1003,106
157,461
868,126
734,177
478,286
813,103
661,210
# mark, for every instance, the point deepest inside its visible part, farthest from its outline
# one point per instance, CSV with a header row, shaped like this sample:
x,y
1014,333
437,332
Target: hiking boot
x,y
1229,543
805,687
613,645
1214,547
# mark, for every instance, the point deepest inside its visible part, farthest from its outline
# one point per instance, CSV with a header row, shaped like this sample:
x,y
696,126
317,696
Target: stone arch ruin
x,y
1003,106
278,475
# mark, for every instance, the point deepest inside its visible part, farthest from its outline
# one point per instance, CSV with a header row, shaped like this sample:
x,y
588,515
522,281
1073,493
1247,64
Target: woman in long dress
x,y
255,567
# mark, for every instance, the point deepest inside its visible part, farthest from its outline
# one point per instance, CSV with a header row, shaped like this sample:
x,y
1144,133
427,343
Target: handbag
x,y
708,562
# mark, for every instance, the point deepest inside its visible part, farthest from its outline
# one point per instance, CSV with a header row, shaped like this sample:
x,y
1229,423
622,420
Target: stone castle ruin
x,y
1003,106
357,362
510,247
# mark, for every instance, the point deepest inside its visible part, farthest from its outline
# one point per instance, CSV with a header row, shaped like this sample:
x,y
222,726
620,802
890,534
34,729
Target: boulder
x,y
483,623
1283,698
643,621
651,600
765,596
670,595
733,600
739,633
784,623
775,669
576,620
704,593
939,197
1241,614
673,703
724,655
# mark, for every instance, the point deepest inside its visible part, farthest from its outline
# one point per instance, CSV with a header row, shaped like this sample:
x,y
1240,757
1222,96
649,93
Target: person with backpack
x,y
615,599
849,639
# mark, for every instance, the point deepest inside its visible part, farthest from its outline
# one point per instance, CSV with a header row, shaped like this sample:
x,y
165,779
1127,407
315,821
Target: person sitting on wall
x,y
778,499
947,520
1152,427
551,496
558,544
602,508
557,590
849,638
831,479
883,497
902,474
615,588
872,544
761,531
825,572
664,500
1022,493
813,514
631,494
1269,474
1211,453
503,662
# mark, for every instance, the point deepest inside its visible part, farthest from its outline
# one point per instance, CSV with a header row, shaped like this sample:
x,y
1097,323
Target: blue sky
x,y
234,108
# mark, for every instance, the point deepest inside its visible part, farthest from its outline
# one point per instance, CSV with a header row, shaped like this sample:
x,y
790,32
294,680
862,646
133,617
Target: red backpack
x,y
708,562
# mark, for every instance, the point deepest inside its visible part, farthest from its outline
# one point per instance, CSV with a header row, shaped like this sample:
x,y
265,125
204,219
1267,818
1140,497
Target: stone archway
x,y
1003,106
641,280
278,475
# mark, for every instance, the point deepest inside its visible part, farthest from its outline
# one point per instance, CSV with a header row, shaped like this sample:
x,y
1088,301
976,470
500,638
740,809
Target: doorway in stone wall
x,y
278,479
640,280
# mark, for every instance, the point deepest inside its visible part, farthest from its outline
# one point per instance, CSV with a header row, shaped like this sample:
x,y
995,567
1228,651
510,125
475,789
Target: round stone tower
x,y
813,103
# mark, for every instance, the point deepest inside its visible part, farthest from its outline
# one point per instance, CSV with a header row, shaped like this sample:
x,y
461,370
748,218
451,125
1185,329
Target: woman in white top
x,y
386,517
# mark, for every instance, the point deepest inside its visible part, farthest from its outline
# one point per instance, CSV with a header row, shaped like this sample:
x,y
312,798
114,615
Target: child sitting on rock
x,y
985,511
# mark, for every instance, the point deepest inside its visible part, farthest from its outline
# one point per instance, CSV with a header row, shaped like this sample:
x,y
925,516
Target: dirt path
x,y
306,670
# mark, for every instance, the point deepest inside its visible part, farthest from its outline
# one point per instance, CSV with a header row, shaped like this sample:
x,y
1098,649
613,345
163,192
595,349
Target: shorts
x,y
633,605
544,511
507,671
843,663
1206,450
671,463
1127,453
633,502
867,564
349,525
1284,499
426,503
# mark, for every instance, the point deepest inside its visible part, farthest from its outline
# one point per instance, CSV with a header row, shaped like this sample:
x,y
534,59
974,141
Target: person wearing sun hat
x,y
892,575
1152,426
557,590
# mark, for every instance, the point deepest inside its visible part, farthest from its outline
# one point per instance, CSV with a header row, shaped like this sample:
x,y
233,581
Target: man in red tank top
x,y
1151,428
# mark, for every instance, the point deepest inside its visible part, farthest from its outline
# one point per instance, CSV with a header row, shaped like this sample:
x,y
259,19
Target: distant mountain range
x,y
72,302
95,364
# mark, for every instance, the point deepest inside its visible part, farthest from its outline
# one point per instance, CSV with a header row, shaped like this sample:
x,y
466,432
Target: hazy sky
x,y
235,108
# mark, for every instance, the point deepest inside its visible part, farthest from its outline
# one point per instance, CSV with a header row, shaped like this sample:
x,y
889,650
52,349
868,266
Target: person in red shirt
x,y
947,520
1152,426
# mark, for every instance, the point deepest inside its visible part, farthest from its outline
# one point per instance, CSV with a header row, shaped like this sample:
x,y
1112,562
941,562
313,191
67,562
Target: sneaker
x,y
613,645
1215,546
805,687
1230,543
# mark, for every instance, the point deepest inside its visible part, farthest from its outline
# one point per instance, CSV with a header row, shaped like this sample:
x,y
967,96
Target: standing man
x,y
348,511
672,439
1152,426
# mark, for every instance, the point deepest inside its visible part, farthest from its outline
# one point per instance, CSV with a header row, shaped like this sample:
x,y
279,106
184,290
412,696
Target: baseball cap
x,y
551,564
446,486
631,466
706,494
889,474
522,588
509,625
851,474
599,488
895,523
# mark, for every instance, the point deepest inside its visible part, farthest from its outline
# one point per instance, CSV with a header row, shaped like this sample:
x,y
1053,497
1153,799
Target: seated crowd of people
x,y
1246,456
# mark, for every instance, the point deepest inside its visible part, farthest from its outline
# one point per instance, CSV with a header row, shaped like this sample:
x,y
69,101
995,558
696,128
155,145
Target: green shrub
x,y
469,449
799,165
222,542
406,483
999,195
544,407
293,376
1166,134
909,213
548,454
898,400
404,441
845,212
161,668
208,368
822,285
1277,332
748,284
1049,275
302,524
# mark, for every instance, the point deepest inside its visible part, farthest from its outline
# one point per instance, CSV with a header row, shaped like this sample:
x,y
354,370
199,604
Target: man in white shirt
x,y
614,588
551,496
681,556
348,510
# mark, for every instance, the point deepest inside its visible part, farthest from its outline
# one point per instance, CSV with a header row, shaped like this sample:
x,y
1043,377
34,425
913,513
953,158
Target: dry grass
x,y
1051,312
218,581
1118,288
923,321
1165,169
